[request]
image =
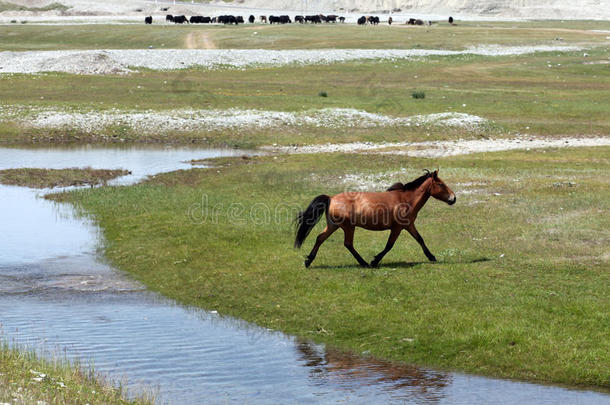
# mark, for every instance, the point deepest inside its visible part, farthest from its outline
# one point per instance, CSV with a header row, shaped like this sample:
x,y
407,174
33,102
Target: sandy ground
x,y
436,149
120,61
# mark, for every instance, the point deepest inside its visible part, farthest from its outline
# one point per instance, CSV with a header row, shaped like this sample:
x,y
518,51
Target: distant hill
x,y
425,9
534,9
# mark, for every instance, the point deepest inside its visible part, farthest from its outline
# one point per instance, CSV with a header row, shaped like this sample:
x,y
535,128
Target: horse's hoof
x,y
374,264
307,263
432,258
366,265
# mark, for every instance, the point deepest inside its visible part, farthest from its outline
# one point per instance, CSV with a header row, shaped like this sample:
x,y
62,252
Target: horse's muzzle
x,y
452,200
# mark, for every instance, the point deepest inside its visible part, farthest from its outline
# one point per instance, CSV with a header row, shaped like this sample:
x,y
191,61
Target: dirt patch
x,y
85,62
198,40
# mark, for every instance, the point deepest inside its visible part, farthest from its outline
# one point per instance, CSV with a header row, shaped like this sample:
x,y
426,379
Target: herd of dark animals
x,y
231,19
282,19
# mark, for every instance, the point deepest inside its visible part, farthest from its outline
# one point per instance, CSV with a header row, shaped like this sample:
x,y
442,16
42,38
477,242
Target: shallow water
x,y
56,296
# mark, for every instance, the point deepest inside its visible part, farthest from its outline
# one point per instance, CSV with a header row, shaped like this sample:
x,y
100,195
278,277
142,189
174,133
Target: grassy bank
x,y
49,178
26,379
520,289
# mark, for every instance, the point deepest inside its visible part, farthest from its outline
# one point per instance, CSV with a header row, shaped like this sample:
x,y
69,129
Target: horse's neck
x,y
420,196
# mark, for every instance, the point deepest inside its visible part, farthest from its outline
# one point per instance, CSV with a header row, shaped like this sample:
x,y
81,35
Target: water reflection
x,y
401,382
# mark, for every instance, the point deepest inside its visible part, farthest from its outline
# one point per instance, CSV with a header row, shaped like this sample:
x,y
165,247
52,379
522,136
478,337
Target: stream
x,y
58,297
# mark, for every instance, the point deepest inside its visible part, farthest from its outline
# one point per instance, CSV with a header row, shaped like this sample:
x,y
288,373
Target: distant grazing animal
x,y
395,209
450,20
251,19
283,19
342,19
299,19
361,20
148,20
180,19
263,19
239,19
169,18
314,19
228,19
419,22
164,8
331,18
373,20
390,21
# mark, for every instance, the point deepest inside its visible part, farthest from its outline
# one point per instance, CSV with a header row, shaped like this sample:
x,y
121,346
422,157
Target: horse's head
x,y
440,191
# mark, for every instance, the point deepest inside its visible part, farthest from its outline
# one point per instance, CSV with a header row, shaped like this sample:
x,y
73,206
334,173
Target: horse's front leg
x,y
388,246
420,240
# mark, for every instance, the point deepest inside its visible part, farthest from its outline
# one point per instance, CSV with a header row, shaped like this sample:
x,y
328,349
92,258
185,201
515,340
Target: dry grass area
x,y
50,178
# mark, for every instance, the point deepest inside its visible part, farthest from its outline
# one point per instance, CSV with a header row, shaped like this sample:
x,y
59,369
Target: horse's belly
x,y
378,222
374,227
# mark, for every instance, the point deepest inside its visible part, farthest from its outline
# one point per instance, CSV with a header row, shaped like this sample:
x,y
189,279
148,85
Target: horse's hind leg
x,y
330,228
389,245
349,244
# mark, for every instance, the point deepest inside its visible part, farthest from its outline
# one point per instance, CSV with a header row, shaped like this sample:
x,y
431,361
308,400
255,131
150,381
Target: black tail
x,y
307,219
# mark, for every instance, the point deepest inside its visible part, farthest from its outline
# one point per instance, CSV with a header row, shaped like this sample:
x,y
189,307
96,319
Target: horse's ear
x,y
435,173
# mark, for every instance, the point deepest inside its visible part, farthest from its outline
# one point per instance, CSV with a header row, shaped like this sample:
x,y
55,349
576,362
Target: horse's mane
x,y
412,185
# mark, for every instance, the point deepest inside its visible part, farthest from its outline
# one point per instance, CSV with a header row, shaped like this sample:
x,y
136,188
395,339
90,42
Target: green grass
x,y
296,36
418,95
442,36
520,289
49,178
68,37
27,379
554,93
521,94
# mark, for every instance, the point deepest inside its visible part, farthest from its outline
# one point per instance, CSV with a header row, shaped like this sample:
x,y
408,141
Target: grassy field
x,y
543,94
49,178
520,289
296,36
553,93
26,379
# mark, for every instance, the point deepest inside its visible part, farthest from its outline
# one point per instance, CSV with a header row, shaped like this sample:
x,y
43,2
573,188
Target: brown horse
x,y
395,209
